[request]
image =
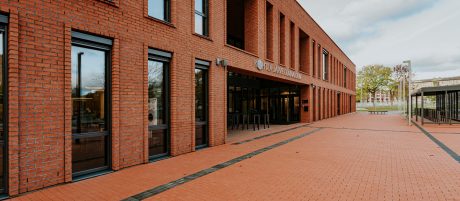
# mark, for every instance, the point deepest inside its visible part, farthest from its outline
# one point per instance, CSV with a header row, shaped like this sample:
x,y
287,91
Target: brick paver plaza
x,y
352,157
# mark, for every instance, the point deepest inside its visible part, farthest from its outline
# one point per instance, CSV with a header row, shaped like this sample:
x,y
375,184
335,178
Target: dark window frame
x,y
4,30
97,43
205,16
344,76
167,11
165,58
200,64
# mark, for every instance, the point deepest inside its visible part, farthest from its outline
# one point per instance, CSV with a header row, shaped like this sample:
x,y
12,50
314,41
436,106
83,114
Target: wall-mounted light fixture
x,y
221,62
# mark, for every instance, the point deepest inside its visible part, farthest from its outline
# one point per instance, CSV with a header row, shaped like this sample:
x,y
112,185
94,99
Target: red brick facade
x,y
39,46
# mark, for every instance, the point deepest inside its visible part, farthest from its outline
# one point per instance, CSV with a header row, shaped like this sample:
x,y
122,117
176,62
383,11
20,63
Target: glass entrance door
x,y
90,109
285,108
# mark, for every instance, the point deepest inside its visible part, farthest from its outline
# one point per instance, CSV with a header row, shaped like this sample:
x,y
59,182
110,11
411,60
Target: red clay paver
x,y
354,157
447,134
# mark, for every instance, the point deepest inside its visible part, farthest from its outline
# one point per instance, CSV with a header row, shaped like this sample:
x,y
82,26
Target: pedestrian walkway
x,y
447,134
352,157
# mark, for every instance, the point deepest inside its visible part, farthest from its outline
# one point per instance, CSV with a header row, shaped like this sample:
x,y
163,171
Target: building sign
x,y
277,69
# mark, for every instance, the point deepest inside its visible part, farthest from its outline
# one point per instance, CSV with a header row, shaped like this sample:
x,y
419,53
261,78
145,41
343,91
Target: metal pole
x,y
409,116
404,94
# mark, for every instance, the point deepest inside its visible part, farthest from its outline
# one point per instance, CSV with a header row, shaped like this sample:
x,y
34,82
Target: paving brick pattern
x,y
447,134
354,157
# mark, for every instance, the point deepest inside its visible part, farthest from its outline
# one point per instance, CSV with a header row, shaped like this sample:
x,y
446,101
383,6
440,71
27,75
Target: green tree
x,y
373,78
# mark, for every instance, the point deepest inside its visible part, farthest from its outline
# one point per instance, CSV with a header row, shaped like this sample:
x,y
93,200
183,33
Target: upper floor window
x,y
159,9
201,17
344,76
325,65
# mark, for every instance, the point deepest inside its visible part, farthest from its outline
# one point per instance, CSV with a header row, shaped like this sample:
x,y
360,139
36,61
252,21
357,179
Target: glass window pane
x,y
2,168
2,97
157,142
200,95
88,153
199,5
2,101
199,20
156,90
200,135
88,90
156,9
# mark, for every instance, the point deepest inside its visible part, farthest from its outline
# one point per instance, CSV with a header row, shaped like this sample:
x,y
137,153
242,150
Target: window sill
x,y
241,50
161,21
203,37
111,2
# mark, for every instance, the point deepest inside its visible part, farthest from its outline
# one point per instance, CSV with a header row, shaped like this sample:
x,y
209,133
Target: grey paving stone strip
x,y
366,129
269,134
449,151
162,188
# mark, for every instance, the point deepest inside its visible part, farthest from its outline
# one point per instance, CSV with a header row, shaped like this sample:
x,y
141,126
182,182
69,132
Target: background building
x,y
94,86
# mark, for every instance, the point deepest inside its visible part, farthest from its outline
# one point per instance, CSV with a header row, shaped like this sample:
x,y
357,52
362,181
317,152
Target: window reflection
x,y
2,116
89,117
199,95
201,138
201,17
199,24
157,108
156,93
88,90
158,9
1,87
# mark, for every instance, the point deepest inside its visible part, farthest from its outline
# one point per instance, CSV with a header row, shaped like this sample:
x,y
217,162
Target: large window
x,y
158,104
201,106
345,76
325,65
201,17
282,40
3,104
90,103
269,30
304,56
159,9
242,24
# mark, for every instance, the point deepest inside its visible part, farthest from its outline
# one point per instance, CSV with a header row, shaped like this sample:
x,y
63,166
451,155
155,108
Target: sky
x,y
388,32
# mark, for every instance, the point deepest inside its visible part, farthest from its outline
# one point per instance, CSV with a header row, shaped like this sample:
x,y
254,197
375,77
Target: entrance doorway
x,y
249,95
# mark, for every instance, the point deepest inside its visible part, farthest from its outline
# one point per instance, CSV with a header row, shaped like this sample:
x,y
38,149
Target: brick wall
x,y
39,46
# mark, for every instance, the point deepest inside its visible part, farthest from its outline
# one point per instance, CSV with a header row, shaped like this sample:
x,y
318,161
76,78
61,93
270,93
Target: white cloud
x,y
390,31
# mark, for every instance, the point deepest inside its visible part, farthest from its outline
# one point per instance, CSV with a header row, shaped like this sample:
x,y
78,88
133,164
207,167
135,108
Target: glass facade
x,y
159,9
251,95
90,101
201,107
158,108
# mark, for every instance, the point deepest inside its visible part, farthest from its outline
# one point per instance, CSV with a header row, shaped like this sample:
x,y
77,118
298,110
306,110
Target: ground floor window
x,y
3,104
90,104
201,106
158,103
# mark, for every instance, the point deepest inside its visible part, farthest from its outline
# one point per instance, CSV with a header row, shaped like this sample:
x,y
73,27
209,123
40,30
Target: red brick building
x,y
94,86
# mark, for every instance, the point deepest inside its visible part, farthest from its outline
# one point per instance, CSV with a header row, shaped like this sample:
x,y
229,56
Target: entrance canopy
x,y
438,105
